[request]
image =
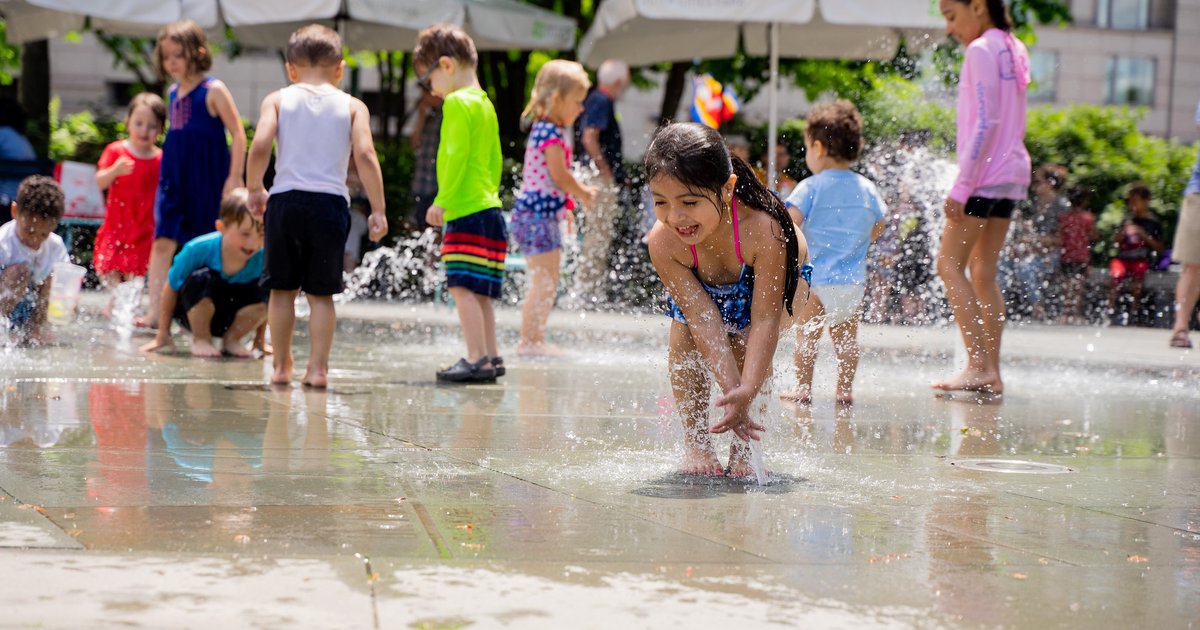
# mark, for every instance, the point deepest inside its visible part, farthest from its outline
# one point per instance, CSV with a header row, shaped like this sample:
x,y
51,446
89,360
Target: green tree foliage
x,y
10,56
1104,151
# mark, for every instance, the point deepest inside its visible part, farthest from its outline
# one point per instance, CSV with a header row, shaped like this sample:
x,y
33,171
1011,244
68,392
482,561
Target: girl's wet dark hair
x,y
696,156
998,12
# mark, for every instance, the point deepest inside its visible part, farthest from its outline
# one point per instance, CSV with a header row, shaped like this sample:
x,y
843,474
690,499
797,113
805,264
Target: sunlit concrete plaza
x,y
160,491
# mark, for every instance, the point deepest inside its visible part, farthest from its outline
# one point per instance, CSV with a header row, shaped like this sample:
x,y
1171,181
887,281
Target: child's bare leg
x,y
471,319
808,334
739,459
958,241
488,315
14,283
281,318
156,275
845,345
984,258
1135,293
739,449
200,321
690,385
248,318
260,338
544,270
109,282
322,320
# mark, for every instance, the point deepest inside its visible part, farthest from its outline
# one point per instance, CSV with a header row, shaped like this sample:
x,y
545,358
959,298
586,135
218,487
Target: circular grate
x,y
1011,466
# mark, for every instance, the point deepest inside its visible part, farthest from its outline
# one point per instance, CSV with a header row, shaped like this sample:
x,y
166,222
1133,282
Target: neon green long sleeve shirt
x,y
468,157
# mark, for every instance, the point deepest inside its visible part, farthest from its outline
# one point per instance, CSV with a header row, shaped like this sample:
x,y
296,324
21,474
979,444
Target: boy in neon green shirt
x,y
475,240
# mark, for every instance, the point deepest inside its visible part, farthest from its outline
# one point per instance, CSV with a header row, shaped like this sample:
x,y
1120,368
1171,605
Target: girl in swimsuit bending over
x,y
730,257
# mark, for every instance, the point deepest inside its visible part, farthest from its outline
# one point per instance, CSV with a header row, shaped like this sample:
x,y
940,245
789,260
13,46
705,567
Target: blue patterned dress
x,y
195,165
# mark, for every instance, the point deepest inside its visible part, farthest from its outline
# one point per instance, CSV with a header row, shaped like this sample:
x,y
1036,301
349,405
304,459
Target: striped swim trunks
x,y
473,251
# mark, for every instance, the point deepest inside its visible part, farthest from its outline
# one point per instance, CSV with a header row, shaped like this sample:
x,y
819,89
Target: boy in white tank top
x,y
318,128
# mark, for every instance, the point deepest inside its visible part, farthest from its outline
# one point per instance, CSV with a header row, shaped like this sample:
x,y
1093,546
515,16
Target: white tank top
x,y
313,141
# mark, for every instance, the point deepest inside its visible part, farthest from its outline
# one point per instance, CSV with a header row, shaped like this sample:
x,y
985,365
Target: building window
x,y
1044,67
1123,14
1130,81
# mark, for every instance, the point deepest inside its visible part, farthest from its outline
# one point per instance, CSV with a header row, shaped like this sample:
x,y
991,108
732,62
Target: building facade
x,y
1143,53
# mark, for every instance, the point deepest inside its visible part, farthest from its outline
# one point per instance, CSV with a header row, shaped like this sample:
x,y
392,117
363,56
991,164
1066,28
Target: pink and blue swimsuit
x,y
540,202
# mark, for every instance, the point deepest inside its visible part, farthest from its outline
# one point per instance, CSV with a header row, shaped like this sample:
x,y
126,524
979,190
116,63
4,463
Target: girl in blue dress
x,y
198,164
731,259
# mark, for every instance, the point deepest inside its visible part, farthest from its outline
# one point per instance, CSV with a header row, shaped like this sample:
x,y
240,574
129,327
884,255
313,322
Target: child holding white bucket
x,y
29,251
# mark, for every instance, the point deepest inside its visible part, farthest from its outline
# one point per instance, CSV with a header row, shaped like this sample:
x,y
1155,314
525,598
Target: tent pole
x,y
773,105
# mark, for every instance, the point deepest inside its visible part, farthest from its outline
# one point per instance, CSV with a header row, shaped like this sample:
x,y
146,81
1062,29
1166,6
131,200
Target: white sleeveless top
x,y
313,150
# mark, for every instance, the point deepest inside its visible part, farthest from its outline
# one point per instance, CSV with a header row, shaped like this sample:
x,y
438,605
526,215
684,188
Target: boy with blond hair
x,y
468,200
318,129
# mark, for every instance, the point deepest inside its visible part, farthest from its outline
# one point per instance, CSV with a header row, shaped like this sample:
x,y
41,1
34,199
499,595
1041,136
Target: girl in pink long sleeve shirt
x,y
994,173
992,160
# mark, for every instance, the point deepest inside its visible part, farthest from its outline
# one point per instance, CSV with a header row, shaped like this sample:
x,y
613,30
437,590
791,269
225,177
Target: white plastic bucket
x,y
65,288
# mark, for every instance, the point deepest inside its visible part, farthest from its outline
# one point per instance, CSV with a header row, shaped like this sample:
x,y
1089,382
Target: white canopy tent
x,y
31,20
642,32
394,24
364,24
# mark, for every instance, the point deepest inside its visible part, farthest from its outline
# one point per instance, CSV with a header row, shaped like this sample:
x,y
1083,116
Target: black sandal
x,y
466,372
498,365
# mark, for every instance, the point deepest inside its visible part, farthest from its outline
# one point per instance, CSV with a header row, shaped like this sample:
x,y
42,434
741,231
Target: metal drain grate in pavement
x,y
1011,466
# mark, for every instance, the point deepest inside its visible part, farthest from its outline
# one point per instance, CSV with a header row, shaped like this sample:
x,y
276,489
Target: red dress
x,y
124,240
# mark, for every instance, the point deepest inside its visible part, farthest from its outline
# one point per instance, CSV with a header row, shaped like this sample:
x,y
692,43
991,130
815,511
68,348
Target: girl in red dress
x,y
128,170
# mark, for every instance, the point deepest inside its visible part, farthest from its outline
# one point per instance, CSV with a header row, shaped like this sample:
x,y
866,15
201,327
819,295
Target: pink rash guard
x,y
992,160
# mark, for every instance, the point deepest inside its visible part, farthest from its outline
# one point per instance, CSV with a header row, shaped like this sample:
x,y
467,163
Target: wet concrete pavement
x,y
165,490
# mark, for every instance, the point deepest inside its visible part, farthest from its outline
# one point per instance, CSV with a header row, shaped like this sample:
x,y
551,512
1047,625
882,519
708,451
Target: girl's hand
x,y
587,195
123,166
232,182
569,217
737,414
954,210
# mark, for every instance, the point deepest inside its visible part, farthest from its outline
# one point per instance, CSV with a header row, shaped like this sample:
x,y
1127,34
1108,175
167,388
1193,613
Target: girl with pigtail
x,y
993,175
547,189
733,262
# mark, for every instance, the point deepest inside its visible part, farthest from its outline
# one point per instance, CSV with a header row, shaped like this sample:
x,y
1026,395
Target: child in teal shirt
x,y
475,240
213,287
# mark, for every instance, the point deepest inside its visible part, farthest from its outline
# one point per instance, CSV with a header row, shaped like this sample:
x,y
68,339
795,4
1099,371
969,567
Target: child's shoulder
x,y
543,130
663,246
202,242
56,247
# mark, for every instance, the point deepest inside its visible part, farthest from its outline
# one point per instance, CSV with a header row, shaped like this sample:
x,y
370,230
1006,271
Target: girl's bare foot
x,y
316,378
802,395
234,348
700,461
539,349
845,397
283,371
972,381
699,457
205,349
739,461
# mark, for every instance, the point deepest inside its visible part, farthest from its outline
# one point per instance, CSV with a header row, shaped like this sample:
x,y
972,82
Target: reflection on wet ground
x,y
555,493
